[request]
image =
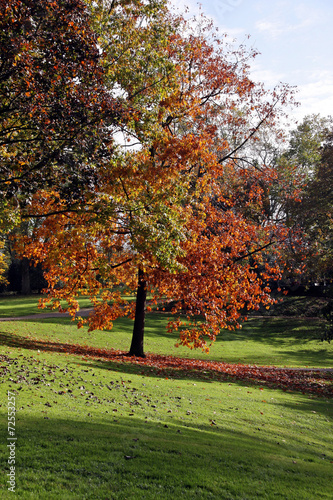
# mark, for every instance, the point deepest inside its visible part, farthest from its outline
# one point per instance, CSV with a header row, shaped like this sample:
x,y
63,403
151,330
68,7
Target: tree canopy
x,y
54,106
309,156
172,199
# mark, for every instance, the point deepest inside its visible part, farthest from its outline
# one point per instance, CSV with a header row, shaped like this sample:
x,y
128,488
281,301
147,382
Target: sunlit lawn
x,y
18,305
278,342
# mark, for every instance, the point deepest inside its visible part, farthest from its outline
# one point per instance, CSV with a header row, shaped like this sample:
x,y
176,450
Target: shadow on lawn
x,y
274,332
269,330
278,330
312,382
129,458
305,356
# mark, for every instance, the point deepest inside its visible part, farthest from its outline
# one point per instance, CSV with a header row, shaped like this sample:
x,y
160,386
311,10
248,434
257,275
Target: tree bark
x,y
25,277
139,321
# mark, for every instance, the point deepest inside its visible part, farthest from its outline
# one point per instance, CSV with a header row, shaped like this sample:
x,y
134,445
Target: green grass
x,y
78,421
269,341
293,305
16,305
89,428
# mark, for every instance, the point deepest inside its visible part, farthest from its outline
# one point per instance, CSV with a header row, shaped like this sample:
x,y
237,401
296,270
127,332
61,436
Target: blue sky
x,y
295,41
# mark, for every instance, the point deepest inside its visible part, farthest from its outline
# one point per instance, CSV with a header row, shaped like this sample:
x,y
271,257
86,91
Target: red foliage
x,y
187,203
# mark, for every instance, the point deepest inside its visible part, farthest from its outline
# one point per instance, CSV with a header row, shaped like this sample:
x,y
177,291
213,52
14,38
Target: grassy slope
x,y
265,341
279,342
94,429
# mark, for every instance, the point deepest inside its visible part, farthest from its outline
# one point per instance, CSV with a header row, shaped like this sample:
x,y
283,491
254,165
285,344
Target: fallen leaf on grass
x,y
314,381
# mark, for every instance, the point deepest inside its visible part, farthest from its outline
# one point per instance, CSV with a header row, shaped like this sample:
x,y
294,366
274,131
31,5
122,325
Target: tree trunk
x,y
25,277
139,321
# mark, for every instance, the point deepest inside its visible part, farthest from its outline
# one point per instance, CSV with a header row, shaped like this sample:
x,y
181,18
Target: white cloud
x,y
267,76
314,92
316,96
278,28
287,18
193,8
307,15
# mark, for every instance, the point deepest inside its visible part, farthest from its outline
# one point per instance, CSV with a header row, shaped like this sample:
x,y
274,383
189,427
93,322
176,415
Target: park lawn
x,y
18,305
91,428
88,428
273,341
262,341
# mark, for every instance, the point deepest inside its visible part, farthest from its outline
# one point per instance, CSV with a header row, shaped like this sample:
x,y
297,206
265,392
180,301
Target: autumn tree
x,y
178,211
311,147
131,195
305,141
316,215
54,107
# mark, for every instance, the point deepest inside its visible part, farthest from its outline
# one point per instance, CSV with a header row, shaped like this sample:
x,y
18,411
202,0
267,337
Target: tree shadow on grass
x,y
273,332
277,331
306,356
319,406
268,330
129,458
312,382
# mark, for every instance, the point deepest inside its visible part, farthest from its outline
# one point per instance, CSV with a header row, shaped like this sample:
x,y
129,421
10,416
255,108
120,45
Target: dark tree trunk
x,y
139,321
25,274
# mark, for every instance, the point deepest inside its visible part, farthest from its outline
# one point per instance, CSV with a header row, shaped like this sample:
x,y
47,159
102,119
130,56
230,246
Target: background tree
x,y
308,161
22,276
316,216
